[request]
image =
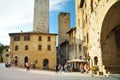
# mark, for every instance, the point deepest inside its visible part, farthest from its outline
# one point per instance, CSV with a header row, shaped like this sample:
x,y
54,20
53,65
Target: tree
x,y
1,48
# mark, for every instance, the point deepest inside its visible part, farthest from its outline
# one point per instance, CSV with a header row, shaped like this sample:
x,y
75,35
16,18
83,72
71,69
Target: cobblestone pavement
x,y
15,73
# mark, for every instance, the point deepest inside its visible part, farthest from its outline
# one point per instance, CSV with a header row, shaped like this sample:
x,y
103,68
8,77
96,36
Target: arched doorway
x,y
96,61
45,64
16,60
110,39
25,60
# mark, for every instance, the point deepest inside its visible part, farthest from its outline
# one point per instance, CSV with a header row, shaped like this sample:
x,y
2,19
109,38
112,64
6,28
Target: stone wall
x,y
99,18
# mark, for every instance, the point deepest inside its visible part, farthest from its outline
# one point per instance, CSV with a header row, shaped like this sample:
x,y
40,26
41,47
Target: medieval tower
x,y
63,26
41,16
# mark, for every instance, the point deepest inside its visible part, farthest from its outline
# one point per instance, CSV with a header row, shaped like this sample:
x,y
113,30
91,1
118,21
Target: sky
x,y
17,15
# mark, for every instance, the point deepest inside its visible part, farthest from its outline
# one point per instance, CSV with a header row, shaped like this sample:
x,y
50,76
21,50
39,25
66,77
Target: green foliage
x,y
94,68
1,59
1,48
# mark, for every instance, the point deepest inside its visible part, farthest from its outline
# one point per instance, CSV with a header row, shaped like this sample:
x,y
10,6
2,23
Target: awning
x,y
76,60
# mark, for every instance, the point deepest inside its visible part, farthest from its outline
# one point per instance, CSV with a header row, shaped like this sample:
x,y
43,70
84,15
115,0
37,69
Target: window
x,y
39,38
87,38
7,55
26,47
16,47
91,6
49,38
27,38
80,57
17,38
6,50
79,47
49,47
79,22
39,47
86,18
81,3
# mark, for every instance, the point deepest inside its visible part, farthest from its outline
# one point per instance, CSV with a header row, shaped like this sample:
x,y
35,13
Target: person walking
x,y
27,66
60,68
56,68
81,68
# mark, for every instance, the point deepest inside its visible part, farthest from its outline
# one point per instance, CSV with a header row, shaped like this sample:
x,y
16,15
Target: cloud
x,y
15,12
15,15
56,5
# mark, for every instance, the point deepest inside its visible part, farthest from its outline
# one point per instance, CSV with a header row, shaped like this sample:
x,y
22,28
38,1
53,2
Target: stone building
x,y
72,44
37,48
63,53
99,22
6,54
41,16
63,27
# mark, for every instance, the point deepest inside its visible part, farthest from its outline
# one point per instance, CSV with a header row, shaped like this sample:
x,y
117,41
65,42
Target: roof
x,y
64,42
19,33
71,29
64,13
7,46
76,60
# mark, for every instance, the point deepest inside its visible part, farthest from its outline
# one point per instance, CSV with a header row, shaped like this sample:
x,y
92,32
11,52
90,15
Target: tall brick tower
x,y
63,26
41,16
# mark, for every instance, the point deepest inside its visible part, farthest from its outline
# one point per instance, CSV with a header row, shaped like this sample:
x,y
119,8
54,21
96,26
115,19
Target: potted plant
x,y
94,69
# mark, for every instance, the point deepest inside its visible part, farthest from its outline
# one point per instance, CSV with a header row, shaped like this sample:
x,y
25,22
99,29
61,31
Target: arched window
x,y
25,60
45,64
95,60
16,60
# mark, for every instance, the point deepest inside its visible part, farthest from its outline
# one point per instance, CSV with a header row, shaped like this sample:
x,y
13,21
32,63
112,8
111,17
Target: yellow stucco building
x,y
39,49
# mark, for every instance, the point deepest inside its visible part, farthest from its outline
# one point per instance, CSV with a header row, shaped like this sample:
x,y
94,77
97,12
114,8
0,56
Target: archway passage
x,y
45,64
25,60
110,39
117,38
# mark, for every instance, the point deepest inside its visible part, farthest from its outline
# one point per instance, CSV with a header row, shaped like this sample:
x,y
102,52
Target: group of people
x,y
59,68
67,68
84,68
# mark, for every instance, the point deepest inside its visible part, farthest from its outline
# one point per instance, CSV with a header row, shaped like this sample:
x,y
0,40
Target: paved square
x,y
15,73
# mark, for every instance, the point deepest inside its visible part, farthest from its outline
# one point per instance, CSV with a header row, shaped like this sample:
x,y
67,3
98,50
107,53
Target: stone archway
x,y
25,60
45,64
16,60
110,39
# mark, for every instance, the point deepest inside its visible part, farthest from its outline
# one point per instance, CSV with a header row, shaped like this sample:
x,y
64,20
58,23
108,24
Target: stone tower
x,y
64,26
41,16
